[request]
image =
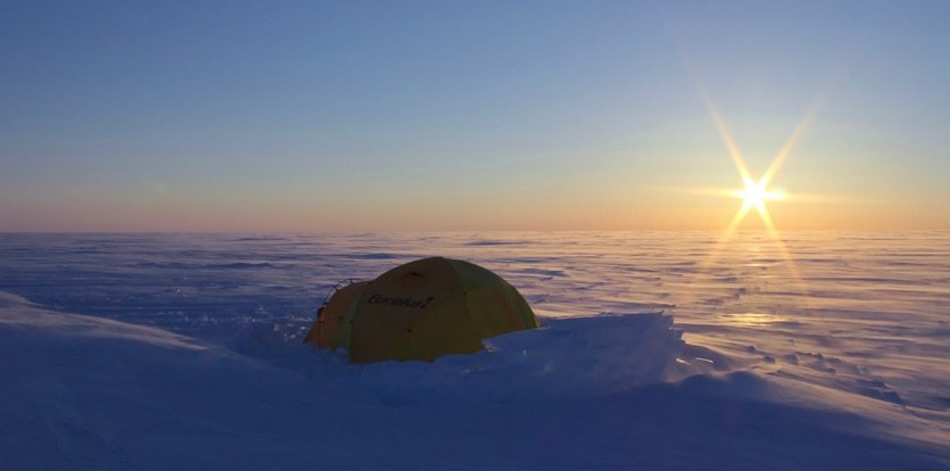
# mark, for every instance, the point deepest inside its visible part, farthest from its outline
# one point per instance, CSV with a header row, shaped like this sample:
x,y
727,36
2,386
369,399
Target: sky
x,y
446,115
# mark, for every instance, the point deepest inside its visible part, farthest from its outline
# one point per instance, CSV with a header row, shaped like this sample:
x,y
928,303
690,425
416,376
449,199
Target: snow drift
x,y
82,392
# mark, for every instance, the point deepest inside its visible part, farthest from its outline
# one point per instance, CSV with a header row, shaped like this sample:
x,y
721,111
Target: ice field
x,y
658,351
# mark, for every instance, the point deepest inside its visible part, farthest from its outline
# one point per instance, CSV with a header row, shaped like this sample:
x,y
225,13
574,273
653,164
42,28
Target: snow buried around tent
x,y
576,357
90,393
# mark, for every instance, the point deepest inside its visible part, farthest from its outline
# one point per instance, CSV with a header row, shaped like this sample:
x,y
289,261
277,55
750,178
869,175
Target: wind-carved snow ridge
x,y
564,358
576,357
20,313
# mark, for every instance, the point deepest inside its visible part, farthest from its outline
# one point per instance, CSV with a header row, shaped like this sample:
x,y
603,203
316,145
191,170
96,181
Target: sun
x,y
756,194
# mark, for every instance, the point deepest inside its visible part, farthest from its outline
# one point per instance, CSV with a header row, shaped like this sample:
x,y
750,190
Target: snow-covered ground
x,y
659,351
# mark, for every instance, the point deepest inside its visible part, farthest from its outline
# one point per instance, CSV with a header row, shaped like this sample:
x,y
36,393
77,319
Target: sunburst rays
x,y
755,192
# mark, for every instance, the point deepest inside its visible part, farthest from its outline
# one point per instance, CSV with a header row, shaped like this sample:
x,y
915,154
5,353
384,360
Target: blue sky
x,y
467,115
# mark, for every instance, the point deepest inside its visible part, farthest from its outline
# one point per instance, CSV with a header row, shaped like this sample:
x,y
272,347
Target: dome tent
x,y
420,311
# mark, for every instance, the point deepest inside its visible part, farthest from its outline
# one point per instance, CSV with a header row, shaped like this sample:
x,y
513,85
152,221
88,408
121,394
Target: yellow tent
x,y
420,311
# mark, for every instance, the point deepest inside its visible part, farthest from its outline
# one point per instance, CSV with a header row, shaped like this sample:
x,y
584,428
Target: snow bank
x,y
577,357
81,392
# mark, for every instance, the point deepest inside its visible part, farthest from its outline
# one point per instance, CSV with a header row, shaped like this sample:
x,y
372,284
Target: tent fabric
x,y
420,311
328,321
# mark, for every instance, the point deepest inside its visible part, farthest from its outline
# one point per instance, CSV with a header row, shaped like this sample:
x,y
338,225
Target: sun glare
x,y
756,194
